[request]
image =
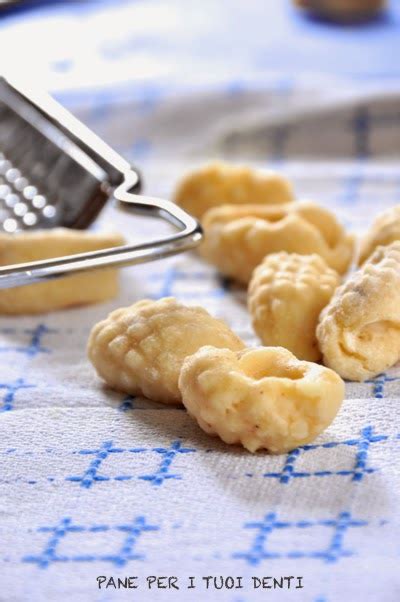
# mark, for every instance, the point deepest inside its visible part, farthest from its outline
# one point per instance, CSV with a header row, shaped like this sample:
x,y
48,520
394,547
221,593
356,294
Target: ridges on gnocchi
x,y
140,349
359,329
286,295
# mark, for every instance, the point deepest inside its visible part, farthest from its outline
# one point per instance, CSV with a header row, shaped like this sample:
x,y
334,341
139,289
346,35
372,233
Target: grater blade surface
x,y
55,172
45,179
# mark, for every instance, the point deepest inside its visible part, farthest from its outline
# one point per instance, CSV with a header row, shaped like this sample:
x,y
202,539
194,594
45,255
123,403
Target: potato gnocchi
x,y
263,398
78,289
286,295
384,230
140,349
221,183
237,238
359,330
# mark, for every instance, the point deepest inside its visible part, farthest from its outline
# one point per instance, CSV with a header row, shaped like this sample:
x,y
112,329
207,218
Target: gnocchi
x,y
140,349
262,397
69,291
221,183
286,295
237,238
384,230
359,330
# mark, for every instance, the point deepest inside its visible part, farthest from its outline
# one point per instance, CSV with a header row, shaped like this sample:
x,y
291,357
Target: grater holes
x,y
30,219
21,183
49,211
20,209
21,204
39,201
52,185
11,200
10,225
30,192
12,174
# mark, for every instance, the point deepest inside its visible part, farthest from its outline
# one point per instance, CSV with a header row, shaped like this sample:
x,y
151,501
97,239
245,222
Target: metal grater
x,y
55,172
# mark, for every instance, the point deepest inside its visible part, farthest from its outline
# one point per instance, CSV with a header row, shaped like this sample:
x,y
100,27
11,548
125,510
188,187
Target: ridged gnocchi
x,y
359,330
262,398
140,349
286,295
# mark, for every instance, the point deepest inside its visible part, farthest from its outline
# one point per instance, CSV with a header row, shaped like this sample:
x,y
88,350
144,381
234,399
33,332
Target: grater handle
x,y
189,236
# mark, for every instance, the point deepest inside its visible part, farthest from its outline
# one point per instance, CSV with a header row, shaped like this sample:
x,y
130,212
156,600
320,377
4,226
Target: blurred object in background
x,y
343,10
7,3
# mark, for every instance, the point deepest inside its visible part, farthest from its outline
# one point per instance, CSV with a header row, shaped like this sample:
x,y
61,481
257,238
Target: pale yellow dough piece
x,y
79,289
222,183
262,398
237,238
140,349
384,230
286,295
359,330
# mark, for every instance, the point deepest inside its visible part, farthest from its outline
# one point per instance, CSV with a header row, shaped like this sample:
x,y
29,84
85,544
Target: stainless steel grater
x,y
55,172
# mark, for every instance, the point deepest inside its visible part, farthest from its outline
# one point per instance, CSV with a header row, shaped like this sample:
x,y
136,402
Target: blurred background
x,y
74,44
309,87
116,63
